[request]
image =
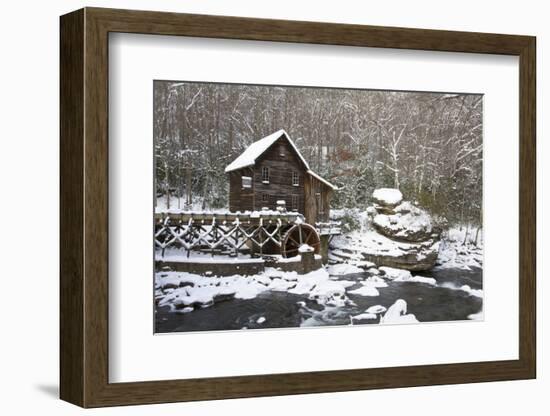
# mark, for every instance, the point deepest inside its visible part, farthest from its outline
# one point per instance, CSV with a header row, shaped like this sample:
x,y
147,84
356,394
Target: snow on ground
x,y
178,204
397,314
376,245
180,289
459,249
173,254
180,255
342,269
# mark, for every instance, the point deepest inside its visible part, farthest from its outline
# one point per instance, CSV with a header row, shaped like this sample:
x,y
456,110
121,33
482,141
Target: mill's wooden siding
x,y
312,188
241,199
281,160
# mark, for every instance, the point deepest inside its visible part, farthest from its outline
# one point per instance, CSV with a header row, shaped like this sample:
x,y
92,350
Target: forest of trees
x,y
429,145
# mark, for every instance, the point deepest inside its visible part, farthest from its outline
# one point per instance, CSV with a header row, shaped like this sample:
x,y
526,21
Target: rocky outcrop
x,y
407,222
403,235
386,199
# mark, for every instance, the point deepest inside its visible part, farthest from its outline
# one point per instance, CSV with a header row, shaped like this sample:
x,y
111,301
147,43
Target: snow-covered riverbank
x,y
341,294
461,249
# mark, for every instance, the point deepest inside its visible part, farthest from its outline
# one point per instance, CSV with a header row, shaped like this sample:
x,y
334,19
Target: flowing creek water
x,y
443,302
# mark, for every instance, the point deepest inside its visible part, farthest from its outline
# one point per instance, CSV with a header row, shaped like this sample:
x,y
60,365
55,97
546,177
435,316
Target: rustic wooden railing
x,y
223,232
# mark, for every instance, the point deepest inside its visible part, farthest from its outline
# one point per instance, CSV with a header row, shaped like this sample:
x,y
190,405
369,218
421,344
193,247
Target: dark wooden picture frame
x,y
84,207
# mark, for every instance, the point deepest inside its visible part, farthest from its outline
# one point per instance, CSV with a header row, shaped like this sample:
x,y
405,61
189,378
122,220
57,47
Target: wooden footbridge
x,y
258,232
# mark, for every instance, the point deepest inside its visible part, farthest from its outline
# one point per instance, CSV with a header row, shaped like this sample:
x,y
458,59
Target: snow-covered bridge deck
x,y
245,218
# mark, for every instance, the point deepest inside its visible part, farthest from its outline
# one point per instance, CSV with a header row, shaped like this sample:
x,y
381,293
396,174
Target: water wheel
x,y
296,236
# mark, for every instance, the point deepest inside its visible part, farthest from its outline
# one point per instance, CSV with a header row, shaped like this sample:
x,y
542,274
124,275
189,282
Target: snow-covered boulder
x,y
385,201
395,274
343,269
408,223
397,314
363,317
403,236
330,293
384,251
387,196
376,309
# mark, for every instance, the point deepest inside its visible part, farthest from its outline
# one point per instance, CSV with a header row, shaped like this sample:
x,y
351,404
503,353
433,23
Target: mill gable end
x,y
273,170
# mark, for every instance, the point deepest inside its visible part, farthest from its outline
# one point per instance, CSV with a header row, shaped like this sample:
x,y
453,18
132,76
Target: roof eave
x,y
322,180
228,170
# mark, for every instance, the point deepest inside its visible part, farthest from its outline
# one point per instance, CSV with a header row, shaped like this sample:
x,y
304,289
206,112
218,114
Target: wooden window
x,y
265,198
265,175
246,182
295,178
294,203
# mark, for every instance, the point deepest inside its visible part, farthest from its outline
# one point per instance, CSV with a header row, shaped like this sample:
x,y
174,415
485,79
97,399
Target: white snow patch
x,y
416,279
343,269
387,196
393,273
363,264
329,293
408,220
376,309
365,290
172,254
281,285
261,320
180,289
397,314
364,316
305,248
375,281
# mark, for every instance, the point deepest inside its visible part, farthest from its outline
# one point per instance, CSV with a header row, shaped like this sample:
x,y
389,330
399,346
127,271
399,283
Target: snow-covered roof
x,y
327,183
256,149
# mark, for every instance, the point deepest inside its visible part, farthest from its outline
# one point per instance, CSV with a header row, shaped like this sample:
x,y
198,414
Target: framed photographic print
x,y
256,207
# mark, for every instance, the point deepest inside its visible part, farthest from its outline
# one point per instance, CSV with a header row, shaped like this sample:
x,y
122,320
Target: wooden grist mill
x,y
278,207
